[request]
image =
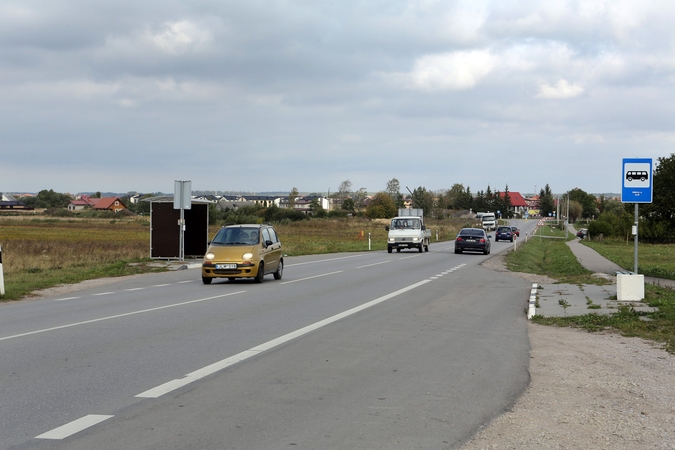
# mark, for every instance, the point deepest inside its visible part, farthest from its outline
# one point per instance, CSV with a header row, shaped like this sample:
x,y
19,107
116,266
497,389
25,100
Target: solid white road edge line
x,y
73,427
220,365
117,316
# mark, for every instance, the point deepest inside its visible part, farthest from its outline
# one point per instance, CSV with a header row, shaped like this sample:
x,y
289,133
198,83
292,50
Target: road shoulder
x,y
588,390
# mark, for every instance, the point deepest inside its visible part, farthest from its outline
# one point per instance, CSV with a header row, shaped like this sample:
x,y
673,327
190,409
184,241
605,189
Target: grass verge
x,y
554,259
550,255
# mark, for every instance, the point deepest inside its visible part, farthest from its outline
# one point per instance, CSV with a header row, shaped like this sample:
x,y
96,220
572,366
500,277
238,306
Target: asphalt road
x,y
360,351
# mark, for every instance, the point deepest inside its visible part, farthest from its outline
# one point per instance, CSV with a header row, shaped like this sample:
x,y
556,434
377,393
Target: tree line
x,y
385,204
608,217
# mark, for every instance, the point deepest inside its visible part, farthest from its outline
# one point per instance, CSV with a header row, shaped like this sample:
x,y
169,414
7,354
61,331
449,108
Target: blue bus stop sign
x,y
636,180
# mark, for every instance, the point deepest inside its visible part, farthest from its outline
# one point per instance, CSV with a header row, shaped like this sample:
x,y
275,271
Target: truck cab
x,y
408,231
489,221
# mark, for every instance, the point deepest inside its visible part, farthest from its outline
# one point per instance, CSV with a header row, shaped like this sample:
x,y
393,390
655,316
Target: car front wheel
x,y
261,273
206,280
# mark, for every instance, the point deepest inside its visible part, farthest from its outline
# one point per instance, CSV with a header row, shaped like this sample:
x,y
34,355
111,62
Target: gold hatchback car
x,y
243,251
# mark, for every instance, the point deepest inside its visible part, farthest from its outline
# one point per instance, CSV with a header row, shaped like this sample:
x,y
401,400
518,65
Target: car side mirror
x,y
489,236
386,227
424,227
268,243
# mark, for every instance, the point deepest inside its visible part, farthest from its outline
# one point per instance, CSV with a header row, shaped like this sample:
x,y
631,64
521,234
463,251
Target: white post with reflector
x,y
2,277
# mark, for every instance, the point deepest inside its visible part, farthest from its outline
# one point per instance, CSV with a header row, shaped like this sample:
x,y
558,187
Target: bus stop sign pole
x,y
636,187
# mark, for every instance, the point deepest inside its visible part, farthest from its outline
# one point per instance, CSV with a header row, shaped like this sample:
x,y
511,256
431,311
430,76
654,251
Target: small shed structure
x,y
165,228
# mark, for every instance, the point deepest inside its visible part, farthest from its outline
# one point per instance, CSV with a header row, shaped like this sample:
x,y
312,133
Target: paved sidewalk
x,y
593,260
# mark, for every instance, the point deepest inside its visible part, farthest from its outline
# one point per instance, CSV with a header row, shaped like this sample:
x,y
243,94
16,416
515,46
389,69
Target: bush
x,y
337,214
656,231
59,212
607,224
276,214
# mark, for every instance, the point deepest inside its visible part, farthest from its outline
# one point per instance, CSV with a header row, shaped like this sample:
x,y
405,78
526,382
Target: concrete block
x,y
630,287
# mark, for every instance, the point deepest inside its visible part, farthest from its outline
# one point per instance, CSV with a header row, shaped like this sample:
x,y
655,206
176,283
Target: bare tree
x,y
292,196
344,190
393,189
360,197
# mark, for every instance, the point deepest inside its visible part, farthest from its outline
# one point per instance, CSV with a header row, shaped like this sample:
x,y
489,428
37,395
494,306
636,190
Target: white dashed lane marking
x,y
73,427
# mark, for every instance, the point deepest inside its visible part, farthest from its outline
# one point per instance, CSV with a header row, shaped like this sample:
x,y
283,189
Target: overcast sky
x,y
120,95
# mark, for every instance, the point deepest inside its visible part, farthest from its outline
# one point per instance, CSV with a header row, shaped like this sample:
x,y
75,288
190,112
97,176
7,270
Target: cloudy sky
x,y
122,95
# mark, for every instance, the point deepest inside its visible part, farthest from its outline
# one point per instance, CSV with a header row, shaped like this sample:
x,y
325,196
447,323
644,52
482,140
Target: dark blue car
x,y
504,233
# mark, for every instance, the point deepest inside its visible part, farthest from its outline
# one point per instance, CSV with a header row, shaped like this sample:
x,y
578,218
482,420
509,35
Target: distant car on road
x,y
504,233
472,239
515,231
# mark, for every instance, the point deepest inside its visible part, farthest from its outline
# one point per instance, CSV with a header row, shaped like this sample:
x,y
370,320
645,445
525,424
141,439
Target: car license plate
x,y
470,240
226,266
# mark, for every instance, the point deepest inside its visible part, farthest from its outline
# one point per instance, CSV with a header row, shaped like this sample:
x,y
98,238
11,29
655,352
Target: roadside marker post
x,y
2,277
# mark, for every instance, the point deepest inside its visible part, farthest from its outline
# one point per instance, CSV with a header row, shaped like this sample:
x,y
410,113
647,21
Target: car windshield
x,y
503,229
236,236
406,223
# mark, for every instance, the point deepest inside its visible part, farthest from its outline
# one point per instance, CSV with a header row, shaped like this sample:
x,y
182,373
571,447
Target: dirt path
x,y
588,391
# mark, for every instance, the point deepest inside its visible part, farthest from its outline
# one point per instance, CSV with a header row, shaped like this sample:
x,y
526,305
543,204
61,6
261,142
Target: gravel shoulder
x,y
587,391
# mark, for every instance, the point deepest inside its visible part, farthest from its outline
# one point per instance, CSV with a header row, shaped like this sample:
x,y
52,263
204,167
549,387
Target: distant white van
x,y
489,221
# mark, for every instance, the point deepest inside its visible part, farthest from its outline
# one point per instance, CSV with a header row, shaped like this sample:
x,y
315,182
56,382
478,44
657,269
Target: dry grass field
x,y
40,252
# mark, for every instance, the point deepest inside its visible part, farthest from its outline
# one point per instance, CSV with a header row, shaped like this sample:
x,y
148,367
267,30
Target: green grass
x,y
654,260
23,283
554,259
551,257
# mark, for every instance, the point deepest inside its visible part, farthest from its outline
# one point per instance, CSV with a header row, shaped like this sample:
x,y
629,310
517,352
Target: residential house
x,y
113,204
533,205
518,203
7,201
303,203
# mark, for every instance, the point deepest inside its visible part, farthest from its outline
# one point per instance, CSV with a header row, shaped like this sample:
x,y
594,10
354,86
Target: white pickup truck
x,y
407,230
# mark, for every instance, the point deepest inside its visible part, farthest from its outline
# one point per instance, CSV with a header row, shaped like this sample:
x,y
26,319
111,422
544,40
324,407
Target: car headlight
x,y
416,239
391,239
209,256
247,256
